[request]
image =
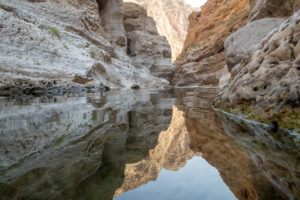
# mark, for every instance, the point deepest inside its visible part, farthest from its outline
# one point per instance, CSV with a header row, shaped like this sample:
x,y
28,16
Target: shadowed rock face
x,y
173,27
146,47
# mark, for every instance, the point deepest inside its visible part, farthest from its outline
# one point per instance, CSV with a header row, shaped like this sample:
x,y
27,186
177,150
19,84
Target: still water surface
x,y
140,145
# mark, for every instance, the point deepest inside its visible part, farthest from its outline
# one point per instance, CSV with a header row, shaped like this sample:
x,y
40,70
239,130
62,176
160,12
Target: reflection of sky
x,y
196,181
196,3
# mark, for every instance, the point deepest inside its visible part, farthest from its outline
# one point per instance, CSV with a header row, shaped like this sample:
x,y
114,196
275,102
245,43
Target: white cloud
x,y
196,3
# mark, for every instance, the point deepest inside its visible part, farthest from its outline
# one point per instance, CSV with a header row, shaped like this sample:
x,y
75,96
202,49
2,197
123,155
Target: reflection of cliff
x,y
47,150
240,160
171,153
275,153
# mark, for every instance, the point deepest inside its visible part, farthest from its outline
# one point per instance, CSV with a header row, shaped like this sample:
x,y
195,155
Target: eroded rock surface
x,y
268,83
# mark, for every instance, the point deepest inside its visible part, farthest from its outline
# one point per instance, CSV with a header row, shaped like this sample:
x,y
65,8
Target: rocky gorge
x,y
103,99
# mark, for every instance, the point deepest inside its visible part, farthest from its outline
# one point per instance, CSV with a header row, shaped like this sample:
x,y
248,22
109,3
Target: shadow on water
x,y
127,143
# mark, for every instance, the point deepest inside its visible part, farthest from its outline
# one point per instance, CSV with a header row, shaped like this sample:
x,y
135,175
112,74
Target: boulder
x,y
241,44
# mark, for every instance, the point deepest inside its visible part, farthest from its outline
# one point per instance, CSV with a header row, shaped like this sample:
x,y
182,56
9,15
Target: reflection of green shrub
x,y
54,31
93,53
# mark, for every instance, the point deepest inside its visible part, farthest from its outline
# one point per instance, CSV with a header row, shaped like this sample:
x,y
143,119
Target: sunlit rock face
x,y
272,8
48,44
202,59
173,27
269,79
49,150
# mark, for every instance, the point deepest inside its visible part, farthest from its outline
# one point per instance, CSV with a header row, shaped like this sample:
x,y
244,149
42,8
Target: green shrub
x,y
93,53
54,31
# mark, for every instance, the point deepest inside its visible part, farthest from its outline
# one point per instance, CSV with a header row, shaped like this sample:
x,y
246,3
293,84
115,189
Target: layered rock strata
x,y
59,44
202,59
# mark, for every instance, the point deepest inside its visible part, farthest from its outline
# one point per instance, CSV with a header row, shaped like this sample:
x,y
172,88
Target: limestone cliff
x,y
202,59
53,44
171,17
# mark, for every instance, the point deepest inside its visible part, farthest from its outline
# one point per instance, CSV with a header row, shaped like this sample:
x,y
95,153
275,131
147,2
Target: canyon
x,y
100,98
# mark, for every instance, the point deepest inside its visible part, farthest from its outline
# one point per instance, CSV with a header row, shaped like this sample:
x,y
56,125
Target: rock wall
x,y
52,44
202,59
267,84
172,26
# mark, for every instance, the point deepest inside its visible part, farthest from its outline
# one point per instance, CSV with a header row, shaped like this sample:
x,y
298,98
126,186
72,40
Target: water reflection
x,y
127,144
196,180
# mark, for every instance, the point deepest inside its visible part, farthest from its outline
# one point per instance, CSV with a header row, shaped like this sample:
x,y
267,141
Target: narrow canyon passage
x,y
149,99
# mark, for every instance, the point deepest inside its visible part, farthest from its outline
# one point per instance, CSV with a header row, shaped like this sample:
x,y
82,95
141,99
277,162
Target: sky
x,y
196,3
